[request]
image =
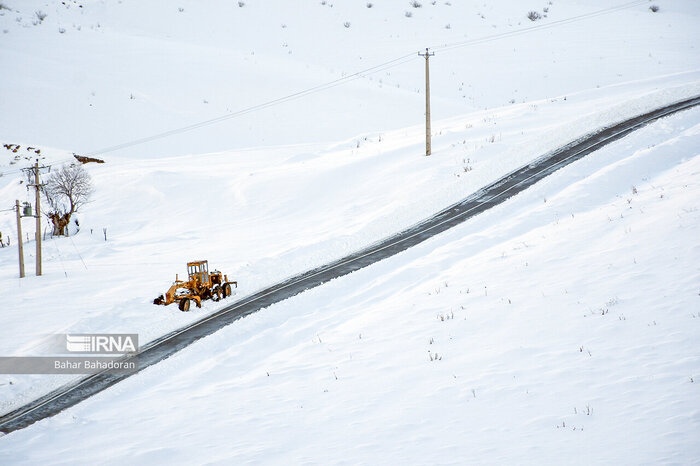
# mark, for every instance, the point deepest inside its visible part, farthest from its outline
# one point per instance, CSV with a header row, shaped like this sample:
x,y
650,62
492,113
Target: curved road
x,y
483,199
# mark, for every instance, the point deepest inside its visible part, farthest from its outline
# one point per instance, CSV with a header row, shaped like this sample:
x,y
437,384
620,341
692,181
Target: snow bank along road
x,y
485,198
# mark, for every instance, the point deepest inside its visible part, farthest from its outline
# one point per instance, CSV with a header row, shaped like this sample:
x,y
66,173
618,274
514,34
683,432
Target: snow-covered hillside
x,y
128,69
274,189
559,328
275,212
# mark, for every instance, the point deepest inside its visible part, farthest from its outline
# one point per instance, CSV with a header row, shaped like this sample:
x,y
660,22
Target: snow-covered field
x,y
558,328
128,69
281,189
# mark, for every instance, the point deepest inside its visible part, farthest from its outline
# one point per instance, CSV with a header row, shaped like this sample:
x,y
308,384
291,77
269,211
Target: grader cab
x,y
201,284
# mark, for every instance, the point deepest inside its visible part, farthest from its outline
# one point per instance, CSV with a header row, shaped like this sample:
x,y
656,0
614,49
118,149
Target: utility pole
x,y
427,56
20,246
38,218
37,234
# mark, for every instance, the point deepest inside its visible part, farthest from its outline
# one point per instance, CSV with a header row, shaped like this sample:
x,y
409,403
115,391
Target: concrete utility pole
x,y
427,56
20,246
37,186
37,235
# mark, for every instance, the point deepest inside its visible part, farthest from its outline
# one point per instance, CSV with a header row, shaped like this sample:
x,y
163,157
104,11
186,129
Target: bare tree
x,y
66,191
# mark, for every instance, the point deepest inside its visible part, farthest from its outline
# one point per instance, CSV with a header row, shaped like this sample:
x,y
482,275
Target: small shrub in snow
x,y
346,24
533,16
447,26
545,9
408,14
180,9
241,4
40,15
4,7
654,8
416,4
61,30
369,5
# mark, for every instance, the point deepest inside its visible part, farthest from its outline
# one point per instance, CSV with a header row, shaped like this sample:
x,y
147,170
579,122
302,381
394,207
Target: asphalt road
x,y
478,202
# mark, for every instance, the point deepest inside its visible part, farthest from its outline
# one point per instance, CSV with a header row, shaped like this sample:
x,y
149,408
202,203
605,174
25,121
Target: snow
x,y
73,90
277,191
564,331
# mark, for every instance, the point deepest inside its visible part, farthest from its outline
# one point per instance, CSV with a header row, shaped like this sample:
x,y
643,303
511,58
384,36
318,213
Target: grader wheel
x,y
184,305
227,290
216,293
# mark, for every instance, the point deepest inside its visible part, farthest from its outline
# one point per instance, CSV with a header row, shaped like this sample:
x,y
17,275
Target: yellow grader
x,y
201,284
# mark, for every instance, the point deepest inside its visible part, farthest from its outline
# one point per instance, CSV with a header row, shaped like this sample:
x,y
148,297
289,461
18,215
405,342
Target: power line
x,y
360,74
297,95
11,172
573,19
321,87
375,69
